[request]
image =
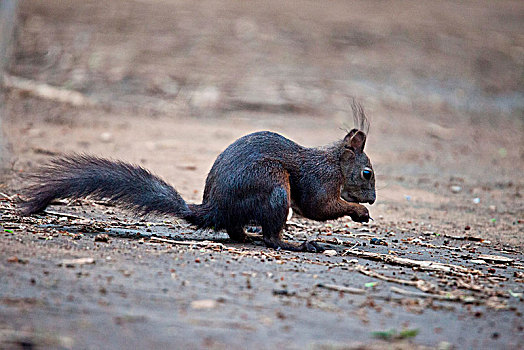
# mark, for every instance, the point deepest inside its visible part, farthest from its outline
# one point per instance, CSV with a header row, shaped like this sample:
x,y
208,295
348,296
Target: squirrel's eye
x,y
366,173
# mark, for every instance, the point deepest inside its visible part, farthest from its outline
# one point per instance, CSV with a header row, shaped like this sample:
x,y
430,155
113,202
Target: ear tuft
x,y
355,140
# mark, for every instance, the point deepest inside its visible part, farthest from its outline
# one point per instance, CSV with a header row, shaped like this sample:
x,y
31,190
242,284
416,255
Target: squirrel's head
x,y
359,177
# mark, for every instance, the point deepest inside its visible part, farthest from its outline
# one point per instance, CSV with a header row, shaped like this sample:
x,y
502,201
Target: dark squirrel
x,y
253,182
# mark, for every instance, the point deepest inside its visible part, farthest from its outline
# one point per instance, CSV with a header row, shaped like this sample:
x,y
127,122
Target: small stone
x,y
15,259
284,291
378,241
456,189
102,237
203,304
330,252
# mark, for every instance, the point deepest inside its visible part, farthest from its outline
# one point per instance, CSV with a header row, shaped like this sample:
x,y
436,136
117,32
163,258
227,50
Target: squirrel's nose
x,y
372,197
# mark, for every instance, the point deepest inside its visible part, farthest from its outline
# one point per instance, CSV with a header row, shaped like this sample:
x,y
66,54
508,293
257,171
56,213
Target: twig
x,y
420,284
139,223
354,246
342,289
76,262
447,297
46,91
371,235
188,243
421,264
8,197
429,245
496,259
464,238
416,294
62,214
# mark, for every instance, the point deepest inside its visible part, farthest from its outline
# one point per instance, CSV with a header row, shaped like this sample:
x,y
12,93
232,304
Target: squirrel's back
x,y
239,165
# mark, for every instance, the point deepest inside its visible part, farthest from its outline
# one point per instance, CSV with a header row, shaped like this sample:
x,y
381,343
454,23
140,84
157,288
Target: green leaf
x,y
384,334
408,333
393,334
8,230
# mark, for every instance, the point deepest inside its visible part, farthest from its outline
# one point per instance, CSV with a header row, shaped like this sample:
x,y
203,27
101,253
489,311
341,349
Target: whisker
x,y
382,187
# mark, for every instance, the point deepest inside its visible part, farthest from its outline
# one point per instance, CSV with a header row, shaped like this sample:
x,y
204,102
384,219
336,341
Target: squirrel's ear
x,y
355,140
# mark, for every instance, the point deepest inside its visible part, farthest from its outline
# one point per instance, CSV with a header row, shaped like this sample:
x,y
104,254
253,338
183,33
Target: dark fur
x,y
77,176
254,181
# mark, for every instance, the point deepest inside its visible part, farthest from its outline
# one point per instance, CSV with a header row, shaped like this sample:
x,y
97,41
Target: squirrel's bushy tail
x,y
128,186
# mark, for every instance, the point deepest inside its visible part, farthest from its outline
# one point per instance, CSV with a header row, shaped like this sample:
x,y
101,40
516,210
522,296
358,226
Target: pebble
x,y
102,237
203,304
330,252
378,241
456,189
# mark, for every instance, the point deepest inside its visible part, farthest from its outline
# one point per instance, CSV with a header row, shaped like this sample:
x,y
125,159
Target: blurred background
x,y
169,84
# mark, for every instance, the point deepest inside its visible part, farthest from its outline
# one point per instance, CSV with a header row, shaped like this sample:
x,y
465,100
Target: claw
x,y
313,247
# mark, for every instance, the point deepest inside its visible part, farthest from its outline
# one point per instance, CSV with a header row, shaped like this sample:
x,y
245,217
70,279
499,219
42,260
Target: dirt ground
x,y
169,84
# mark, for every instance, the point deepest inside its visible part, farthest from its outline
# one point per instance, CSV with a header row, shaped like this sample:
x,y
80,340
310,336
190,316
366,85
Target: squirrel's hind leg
x,y
275,215
237,233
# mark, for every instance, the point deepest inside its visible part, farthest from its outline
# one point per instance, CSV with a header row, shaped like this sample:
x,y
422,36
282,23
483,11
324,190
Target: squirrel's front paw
x,y
360,214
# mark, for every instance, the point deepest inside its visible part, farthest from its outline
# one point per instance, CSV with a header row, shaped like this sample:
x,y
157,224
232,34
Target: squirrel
x,y
253,181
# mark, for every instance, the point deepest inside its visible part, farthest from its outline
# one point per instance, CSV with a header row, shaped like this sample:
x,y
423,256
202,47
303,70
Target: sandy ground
x,y
174,82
